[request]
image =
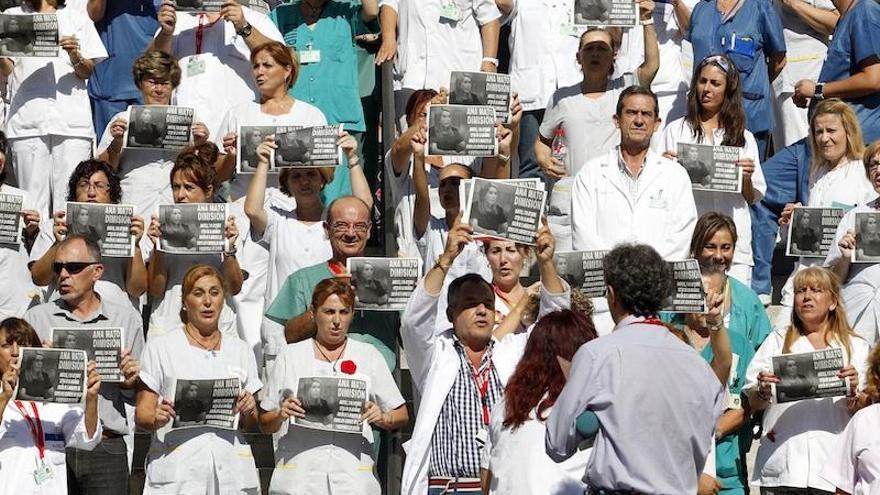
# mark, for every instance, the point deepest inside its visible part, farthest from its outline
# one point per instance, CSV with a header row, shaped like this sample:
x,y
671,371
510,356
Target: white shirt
x,y
428,49
322,462
803,431
854,462
733,205
227,78
63,426
14,269
183,461
45,96
805,48
542,50
662,214
520,464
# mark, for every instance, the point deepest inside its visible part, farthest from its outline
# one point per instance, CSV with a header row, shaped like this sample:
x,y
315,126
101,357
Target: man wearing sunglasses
x,y
77,268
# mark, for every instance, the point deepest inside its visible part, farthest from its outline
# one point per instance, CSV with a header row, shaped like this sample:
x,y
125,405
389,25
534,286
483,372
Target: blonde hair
x,y
838,328
855,144
872,387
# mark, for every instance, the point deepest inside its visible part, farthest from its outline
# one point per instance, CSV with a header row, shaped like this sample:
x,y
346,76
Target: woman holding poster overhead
x,y
716,117
798,435
337,447
203,459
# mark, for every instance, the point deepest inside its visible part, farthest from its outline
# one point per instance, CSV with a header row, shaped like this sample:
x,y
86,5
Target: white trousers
x,y
42,166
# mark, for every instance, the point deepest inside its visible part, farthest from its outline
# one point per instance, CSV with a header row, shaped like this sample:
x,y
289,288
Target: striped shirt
x,y
454,448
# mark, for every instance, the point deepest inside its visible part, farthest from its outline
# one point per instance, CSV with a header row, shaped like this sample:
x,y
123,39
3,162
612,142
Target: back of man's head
x,y
639,278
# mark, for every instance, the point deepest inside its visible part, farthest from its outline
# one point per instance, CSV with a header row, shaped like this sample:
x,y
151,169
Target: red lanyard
x,y
337,268
652,321
35,425
481,380
200,31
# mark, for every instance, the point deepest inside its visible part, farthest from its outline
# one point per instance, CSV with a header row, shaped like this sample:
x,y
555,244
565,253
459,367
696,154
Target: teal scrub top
x,y
747,314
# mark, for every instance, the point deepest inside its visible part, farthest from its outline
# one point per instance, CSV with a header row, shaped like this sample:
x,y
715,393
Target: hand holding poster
x,y
383,284
623,13
161,127
193,228
26,35
206,403
307,146
518,220
108,225
249,138
101,345
482,88
10,218
711,168
686,294
867,227
809,375
51,375
332,403
811,231
461,130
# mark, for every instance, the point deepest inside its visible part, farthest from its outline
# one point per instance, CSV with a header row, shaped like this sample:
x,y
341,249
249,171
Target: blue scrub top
x,y
856,38
748,38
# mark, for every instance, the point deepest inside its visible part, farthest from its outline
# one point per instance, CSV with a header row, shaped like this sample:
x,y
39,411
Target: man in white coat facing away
x,y
632,194
461,373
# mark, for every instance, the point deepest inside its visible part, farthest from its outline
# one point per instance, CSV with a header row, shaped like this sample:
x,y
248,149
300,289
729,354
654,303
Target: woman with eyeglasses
x,y
716,117
861,281
93,181
192,181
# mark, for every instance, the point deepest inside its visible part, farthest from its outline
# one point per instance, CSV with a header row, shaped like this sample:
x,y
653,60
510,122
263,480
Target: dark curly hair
x,y
85,170
639,277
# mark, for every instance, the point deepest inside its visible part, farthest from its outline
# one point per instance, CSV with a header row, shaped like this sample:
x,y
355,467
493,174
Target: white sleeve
x,y
759,184
417,332
841,466
106,137
762,361
384,391
684,218
73,424
709,468
272,395
394,4
263,24
583,213
227,125
485,11
90,42
834,254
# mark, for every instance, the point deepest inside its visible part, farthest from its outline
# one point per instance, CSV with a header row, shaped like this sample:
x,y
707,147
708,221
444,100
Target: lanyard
x,y
35,425
652,321
200,31
481,380
337,268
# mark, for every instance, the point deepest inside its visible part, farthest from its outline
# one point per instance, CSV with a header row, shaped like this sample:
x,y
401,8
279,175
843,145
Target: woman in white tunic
x,y
203,460
716,117
861,281
328,459
798,435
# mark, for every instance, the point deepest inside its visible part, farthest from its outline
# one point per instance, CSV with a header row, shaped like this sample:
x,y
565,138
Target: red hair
x,y
538,379
329,287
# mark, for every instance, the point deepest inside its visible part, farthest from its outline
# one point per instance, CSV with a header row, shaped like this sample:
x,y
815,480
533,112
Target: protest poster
x,y
517,220
8,4
249,138
686,293
607,13
108,225
464,186
103,345
809,375
51,375
580,269
26,35
193,228
332,403
307,146
461,130
10,218
256,5
481,88
206,403
811,231
163,127
198,5
711,168
867,227
383,284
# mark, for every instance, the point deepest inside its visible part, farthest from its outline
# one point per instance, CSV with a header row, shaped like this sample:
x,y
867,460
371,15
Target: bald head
x,y
347,206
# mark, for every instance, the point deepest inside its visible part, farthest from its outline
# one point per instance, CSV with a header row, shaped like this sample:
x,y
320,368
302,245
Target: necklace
x,y
212,348
327,358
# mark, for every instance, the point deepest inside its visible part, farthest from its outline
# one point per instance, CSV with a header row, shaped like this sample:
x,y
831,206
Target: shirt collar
x,y
487,356
621,164
63,310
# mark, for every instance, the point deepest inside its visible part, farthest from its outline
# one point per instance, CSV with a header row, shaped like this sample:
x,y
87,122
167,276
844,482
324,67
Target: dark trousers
x,y
786,490
528,134
102,471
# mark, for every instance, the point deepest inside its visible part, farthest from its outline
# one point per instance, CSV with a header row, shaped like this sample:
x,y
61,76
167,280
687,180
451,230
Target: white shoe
x,y
765,299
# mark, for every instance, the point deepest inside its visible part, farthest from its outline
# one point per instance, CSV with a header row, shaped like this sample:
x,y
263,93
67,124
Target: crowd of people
x,y
517,387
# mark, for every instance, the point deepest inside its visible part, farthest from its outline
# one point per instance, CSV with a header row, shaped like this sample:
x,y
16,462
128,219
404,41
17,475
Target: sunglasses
x,y
72,267
717,60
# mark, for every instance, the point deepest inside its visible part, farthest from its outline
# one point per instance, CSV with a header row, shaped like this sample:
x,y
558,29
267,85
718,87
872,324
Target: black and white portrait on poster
x,y
867,227
481,88
249,137
8,4
623,13
108,225
332,403
191,228
686,294
461,130
580,269
307,146
809,375
10,218
198,5
51,375
206,403
24,35
711,168
163,127
101,345
383,284
811,231
504,210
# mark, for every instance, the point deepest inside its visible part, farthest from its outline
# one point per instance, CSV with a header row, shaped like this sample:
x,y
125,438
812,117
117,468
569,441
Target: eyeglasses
x,y
343,227
85,185
717,60
72,267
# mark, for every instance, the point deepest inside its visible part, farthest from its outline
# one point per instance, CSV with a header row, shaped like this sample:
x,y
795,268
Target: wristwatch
x,y
819,93
245,30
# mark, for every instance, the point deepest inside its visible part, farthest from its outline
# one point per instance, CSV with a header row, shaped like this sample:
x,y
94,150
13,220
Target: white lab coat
x,y
434,365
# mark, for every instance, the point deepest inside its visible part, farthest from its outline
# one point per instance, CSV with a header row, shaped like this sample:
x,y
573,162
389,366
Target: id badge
x,y
449,12
195,66
734,401
310,56
657,201
42,473
568,29
481,437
